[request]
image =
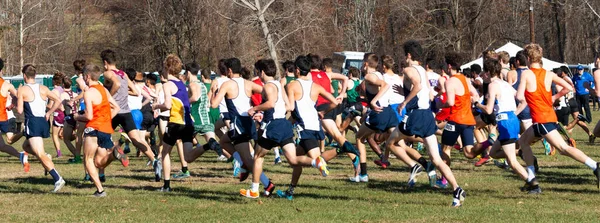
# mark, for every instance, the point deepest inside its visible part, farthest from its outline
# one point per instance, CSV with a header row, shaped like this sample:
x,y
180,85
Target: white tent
x,y
512,50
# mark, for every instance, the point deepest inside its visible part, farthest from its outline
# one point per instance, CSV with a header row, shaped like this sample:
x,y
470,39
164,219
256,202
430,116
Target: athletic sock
x,y
530,173
590,163
291,189
313,163
264,180
54,175
363,169
167,184
254,187
184,169
237,157
277,153
423,162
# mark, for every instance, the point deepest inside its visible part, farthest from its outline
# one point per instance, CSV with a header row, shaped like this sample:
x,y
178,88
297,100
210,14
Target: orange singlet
x,y
3,115
540,101
101,118
461,112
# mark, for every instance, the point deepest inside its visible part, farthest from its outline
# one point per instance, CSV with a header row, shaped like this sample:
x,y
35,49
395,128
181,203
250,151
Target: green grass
x,y
211,194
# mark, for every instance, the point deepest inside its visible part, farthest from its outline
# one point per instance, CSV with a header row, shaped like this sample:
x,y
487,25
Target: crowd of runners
x,y
399,109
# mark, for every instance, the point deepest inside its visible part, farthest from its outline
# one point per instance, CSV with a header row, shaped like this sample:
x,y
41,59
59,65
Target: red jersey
x,y
321,78
101,116
540,101
444,113
461,112
256,98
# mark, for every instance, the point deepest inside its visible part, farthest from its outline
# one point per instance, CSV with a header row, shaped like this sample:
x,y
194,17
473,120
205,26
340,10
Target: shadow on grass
x,y
545,176
28,189
184,191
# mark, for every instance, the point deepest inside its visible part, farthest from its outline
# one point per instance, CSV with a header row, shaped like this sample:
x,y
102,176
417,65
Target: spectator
x,y
583,86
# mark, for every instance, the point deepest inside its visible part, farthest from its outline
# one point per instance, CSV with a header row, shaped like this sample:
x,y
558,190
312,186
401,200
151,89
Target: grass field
x,y
211,194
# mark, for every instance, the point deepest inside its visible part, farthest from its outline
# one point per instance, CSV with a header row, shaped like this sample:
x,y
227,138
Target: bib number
x,y
450,127
502,116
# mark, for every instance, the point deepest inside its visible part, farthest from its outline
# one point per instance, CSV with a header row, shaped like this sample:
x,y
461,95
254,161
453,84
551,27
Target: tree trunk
x,y
268,36
21,33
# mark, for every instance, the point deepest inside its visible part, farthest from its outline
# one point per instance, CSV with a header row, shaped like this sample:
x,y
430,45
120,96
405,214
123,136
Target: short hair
x,y
413,48
234,64
152,79
109,56
503,57
93,71
454,60
565,69
534,52
371,59
58,78
354,72
1,64
403,64
431,64
221,67
289,66
29,70
246,73
513,62
467,72
476,68
315,61
78,65
327,62
388,61
521,58
266,65
205,73
173,64
303,64
492,66
556,70
489,54
67,82
130,73
192,67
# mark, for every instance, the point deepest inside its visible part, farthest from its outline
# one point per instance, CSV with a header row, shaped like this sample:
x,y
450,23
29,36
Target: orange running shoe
x,y
249,193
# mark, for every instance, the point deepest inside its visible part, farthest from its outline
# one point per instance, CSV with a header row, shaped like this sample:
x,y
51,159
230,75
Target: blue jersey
x,y
579,82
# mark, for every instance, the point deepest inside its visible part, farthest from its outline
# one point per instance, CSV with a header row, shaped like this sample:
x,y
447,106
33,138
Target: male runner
x,y
276,130
596,75
32,103
534,87
120,86
8,90
98,149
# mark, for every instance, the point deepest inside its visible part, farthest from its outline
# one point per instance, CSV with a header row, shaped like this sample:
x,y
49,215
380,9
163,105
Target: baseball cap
x,y
579,67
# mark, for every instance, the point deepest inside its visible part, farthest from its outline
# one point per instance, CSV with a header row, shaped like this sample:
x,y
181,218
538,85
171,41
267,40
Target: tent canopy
x,y
512,50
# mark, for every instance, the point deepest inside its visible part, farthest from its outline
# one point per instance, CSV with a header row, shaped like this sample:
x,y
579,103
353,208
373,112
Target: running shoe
x,y
482,161
222,158
419,146
532,187
458,197
414,172
237,168
547,147
119,154
102,178
269,189
58,154
23,157
356,164
441,183
431,174
359,178
181,175
597,173
157,166
100,194
249,193
126,148
75,160
322,166
287,194
58,185
166,190
347,147
382,164
582,118
87,177
501,163
277,160
591,139
215,146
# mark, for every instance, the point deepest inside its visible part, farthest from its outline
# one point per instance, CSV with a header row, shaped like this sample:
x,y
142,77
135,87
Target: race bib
x,y
501,116
405,119
450,127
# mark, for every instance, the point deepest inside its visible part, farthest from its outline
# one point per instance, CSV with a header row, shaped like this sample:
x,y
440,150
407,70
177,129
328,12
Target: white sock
x,y
277,153
313,163
590,163
264,180
254,187
237,157
530,173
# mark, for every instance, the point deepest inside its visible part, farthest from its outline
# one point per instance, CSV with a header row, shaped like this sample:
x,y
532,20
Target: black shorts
x,y
70,120
541,129
8,126
329,115
176,131
573,105
309,144
163,118
104,140
452,131
148,121
488,119
525,114
125,120
563,115
243,130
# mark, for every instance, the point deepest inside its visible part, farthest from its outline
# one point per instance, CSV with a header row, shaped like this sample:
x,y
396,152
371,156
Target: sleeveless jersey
x,y
352,93
222,105
37,107
421,101
506,102
122,93
392,80
321,78
135,102
278,111
305,112
180,105
3,100
200,108
239,105
461,111
383,101
161,100
101,115
540,101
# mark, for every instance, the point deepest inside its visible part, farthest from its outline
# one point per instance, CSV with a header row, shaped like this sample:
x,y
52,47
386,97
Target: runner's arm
x,y
53,97
132,89
194,92
414,79
20,100
597,80
89,110
215,101
271,92
167,104
116,84
291,88
566,87
147,97
344,83
492,94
